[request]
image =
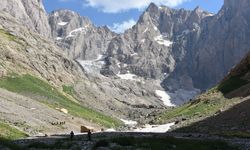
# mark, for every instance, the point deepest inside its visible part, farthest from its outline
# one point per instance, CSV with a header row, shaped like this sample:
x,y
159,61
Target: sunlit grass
x,y
31,86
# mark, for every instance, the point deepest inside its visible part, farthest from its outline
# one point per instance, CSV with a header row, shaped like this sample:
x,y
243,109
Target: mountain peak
x,y
198,9
152,7
64,12
200,13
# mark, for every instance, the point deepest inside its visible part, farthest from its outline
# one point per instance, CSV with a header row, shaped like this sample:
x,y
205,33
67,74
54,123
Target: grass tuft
x,y
69,90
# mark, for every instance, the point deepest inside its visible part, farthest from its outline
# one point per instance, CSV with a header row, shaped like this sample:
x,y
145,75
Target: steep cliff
x,y
29,13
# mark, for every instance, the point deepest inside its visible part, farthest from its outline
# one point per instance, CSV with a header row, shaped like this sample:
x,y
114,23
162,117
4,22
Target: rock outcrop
x,y
29,13
78,36
23,51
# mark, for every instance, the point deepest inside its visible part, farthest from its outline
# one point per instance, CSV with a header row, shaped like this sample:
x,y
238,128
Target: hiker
x,y
89,135
72,135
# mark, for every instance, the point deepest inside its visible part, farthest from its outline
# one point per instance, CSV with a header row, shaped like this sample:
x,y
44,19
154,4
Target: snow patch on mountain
x,y
92,66
74,32
129,122
162,40
155,28
165,98
143,40
145,30
62,23
59,38
127,76
56,14
210,14
110,130
134,54
155,128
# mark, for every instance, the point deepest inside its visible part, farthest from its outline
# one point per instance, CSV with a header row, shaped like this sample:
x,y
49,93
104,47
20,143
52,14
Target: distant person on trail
x,y
89,135
72,135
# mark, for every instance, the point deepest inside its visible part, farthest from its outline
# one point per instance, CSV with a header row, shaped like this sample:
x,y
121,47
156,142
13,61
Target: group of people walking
x,y
72,134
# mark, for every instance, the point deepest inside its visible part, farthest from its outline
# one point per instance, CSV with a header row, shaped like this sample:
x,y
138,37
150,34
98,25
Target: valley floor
x,y
132,140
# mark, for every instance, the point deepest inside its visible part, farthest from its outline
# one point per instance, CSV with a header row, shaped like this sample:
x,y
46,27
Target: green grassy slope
x,y
204,106
232,122
10,133
40,90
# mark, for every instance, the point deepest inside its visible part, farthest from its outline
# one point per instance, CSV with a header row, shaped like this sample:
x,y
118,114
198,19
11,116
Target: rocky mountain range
x,y
168,57
30,62
170,45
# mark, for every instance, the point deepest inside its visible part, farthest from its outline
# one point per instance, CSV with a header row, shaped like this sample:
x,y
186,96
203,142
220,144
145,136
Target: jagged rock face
x,y
156,44
224,41
215,44
78,36
190,49
183,49
30,13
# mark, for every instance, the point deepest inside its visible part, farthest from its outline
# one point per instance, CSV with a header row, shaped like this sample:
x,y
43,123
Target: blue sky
x,y
120,14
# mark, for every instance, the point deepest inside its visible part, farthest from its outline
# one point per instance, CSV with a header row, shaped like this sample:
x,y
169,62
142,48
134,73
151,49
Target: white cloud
x,y
121,27
114,6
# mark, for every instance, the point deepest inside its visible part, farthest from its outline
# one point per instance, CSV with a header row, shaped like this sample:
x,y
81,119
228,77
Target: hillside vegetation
x,y
10,133
203,106
38,89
